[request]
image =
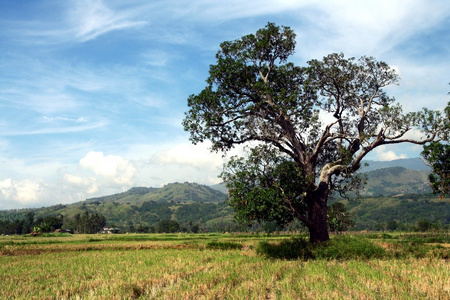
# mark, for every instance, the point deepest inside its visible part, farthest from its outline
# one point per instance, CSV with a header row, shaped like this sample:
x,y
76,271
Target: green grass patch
x,y
348,247
56,234
427,238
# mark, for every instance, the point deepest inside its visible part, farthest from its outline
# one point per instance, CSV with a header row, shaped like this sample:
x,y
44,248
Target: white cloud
x,y
178,162
386,155
25,192
111,168
197,156
421,85
6,188
88,185
64,119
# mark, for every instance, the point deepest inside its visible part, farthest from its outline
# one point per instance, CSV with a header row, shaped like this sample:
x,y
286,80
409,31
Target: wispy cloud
x,y
91,19
74,22
66,119
56,130
364,27
89,85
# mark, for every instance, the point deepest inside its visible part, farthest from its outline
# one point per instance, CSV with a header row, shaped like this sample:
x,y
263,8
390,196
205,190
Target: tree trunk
x,y
318,232
317,214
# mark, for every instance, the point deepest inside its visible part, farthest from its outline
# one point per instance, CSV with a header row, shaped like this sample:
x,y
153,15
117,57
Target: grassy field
x,y
222,266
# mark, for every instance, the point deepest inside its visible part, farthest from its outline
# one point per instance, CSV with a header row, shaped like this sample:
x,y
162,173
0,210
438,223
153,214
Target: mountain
x,y
220,187
407,163
396,180
184,202
398,213
176,192
392,193
387,178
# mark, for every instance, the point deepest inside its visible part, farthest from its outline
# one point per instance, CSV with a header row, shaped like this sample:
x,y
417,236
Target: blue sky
x,y
92,93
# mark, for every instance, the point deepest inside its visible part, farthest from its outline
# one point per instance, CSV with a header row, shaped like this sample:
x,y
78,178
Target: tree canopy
x,y
437,155
308,128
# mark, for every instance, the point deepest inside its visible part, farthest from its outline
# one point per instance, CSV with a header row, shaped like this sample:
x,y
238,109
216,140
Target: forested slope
x,y
394,198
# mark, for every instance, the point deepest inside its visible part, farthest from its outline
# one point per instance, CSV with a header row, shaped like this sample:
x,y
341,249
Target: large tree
x,y
308,127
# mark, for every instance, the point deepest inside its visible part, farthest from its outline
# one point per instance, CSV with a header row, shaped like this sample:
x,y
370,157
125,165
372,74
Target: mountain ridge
x,y
416,164
192,203
396,180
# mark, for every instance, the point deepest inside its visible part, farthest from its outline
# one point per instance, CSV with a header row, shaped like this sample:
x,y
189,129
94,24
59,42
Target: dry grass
x,y
186,269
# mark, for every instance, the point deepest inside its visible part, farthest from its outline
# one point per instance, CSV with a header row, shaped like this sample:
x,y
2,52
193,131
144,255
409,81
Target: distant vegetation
x,y
190,207
80,223
399,213
393,199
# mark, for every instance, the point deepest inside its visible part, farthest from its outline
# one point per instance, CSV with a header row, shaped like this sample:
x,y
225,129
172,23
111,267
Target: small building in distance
x,y
109,230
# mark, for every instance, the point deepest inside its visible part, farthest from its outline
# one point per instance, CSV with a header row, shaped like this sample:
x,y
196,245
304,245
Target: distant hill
x,y
407,163
386,178
396,180
398,213
176,192
184,202
220,187
392,193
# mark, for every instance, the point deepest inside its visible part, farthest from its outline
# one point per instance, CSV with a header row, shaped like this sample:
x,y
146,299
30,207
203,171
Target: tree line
x,y
81,223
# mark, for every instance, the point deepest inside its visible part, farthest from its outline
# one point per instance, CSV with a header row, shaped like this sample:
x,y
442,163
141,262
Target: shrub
x,y
386,236
428,238
224,245
348,247
287,249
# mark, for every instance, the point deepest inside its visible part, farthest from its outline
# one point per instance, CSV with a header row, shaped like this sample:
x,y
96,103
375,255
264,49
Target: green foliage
x,y
168,226
398,213
50,224
224,245
30,225
348,247
87,223
437,156
386,236
430,237
264,187
12,227
415,245
338,218
201,212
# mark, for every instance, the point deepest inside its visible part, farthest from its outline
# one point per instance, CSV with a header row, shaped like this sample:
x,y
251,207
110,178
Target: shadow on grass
x,y
342,248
